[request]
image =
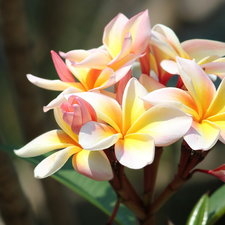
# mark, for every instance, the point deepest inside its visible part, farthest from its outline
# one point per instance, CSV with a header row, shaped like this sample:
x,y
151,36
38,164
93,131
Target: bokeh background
x,y
29,30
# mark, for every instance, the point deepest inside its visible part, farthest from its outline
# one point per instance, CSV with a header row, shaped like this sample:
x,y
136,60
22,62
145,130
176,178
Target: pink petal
x,y
163,46
135,151
77,112
94,165
54,162
96,60
97,136
222,167
126,61
121,86
219,172
140,28
62,124
107,108
46,142
75,55
146,60
112,37
202,136
171,38
214,67
60,99
87,108
74,119
64,74
199,48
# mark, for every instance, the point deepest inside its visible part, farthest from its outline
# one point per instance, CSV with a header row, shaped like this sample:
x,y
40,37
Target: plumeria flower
x,y
93,164
166,46
89,79
135,127
202,101
66,77
124,40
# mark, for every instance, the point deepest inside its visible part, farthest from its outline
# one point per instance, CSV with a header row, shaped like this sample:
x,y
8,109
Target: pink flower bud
x,y
77,112
219,172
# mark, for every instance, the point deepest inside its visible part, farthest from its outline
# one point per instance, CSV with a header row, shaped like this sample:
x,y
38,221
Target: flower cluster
x,y
140,114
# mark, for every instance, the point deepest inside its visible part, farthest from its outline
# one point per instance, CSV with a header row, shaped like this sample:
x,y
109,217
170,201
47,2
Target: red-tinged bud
x,y
219,172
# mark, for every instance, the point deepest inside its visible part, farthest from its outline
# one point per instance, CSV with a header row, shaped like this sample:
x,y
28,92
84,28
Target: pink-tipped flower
x,y
123,37
201,100
77,112
66,77
124,40
92,164
134,127
166,47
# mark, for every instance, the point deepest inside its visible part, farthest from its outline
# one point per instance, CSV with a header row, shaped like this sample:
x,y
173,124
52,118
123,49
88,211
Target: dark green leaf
x,y
217,205
199,214
98,193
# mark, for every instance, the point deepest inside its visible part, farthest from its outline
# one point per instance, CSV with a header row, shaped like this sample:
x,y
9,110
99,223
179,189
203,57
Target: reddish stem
x,y
150,174
113,215
200,170
132,192
124,190
125,198
193,162
188,160
175,184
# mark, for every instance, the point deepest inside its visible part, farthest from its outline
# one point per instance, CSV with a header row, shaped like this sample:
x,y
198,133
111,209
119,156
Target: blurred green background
x,y
66,25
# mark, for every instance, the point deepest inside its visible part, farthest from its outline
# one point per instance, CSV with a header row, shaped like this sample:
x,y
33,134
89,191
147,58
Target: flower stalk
x,y
113,215
150,174
188,160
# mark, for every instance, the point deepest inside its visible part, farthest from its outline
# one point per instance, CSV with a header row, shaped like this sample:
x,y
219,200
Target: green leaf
x,y
217,205
200,212
99,193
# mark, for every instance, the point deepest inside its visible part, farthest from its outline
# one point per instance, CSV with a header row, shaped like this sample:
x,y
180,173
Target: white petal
x,y
46,142
54,162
